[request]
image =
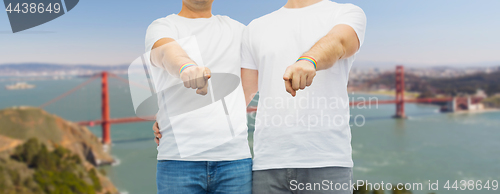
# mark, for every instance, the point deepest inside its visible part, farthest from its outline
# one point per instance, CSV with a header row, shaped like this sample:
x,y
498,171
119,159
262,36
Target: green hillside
x,y
24,123
31,168
43,153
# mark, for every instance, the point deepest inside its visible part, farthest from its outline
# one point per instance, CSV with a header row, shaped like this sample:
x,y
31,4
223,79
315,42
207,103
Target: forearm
x,y
340,43
169,55
326,52
249,81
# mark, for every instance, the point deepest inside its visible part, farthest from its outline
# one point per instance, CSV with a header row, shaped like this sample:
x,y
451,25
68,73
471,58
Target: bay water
x,y
426,147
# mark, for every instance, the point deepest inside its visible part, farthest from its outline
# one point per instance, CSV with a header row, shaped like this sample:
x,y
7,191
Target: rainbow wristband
x,y
185,66
310,59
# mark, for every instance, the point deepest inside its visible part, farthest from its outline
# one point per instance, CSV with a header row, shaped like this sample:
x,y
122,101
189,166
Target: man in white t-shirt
x,y
195,66
298,58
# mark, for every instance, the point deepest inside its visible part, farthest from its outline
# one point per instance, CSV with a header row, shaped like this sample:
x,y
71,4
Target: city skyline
x,y
423,33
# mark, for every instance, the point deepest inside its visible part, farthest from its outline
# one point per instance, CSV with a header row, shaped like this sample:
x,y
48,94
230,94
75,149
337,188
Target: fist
x,y
299,76
196,77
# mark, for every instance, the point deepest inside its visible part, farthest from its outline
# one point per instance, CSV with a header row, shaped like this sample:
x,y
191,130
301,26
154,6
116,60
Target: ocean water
x,y
426,147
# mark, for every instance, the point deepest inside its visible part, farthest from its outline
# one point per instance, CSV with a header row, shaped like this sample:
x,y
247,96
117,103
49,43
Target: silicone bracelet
x,y
185,66
310,59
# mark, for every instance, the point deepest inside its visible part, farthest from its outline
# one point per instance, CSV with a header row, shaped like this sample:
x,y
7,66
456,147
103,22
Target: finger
x,y
158,134
157,141
303,81
200,79
310,79
296,82
156,127
288,86
156,130
288,74
192,80
207,73
203,91
185,80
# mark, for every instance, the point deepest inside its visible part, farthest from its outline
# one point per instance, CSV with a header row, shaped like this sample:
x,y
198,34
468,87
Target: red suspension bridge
x,y
106,120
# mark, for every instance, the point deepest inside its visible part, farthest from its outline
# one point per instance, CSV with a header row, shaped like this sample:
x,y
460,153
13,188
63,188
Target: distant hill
x,y
42,153
57,67
469,84
392,65
489,82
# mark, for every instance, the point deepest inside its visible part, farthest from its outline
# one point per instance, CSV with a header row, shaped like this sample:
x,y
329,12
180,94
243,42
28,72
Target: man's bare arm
x,y
169,55
340,43
249,80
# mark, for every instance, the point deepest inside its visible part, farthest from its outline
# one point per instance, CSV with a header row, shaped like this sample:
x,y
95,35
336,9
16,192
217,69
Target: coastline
x,y
390,93
486,110
413,95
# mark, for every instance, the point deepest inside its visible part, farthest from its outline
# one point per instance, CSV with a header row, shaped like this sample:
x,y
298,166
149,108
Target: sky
x,y
416,33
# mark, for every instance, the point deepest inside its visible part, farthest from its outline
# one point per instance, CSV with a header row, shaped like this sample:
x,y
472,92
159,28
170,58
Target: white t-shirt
x,y
311,130
211,131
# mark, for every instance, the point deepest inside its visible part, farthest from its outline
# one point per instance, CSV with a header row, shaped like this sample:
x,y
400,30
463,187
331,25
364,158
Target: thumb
x,y
207,74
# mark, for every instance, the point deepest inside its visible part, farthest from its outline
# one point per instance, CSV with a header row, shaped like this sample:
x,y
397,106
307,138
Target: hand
x,y
196,77
157,133
299,76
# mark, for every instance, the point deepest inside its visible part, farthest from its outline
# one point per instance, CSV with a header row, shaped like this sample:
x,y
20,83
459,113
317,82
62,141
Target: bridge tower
x,y
106,125
400,92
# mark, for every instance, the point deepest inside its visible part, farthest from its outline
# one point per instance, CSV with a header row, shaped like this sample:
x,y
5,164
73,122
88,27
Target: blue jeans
x,y
202,177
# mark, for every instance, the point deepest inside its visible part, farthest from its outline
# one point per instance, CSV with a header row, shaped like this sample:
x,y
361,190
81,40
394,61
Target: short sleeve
x,y
160,28
247,60
355,17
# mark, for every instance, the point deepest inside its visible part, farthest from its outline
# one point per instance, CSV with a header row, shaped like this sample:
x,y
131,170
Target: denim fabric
x,y
202,177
